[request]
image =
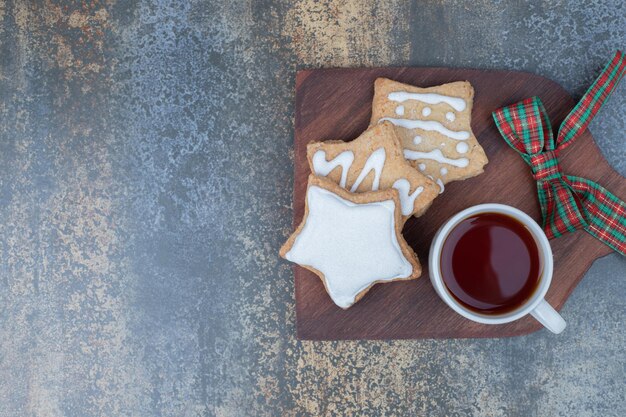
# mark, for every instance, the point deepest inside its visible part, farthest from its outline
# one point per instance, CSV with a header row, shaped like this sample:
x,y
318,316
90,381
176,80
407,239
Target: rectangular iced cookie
x,y
434,126
373,161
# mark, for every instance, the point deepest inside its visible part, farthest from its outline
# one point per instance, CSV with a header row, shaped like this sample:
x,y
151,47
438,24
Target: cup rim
x,y
542,243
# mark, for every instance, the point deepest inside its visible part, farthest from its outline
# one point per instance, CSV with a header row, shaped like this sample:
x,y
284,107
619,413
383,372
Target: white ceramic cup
x,y
536,305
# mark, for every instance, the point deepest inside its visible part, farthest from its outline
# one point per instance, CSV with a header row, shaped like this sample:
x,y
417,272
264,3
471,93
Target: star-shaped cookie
x,y
373,161
351,241
434,125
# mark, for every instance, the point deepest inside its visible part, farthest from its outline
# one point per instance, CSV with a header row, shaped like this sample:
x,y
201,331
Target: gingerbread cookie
x,y
351,240
371,162
434,125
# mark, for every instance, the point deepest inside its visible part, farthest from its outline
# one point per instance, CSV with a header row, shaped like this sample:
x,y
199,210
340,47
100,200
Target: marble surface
x,y
145,188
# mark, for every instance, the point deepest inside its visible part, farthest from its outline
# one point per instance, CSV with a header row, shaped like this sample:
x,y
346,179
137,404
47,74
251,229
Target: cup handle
x,y
546,315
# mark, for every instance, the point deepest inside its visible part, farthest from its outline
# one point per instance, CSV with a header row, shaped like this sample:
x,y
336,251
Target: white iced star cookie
x,y
351,241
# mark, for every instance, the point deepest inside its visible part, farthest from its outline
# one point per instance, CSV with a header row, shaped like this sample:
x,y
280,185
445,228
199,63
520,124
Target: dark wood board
x,y
336,104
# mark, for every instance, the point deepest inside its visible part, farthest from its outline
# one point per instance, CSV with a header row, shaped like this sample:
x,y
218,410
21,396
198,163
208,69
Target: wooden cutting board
x,y
336,104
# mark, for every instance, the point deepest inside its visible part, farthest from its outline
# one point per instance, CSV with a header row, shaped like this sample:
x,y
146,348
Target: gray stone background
x,y
145,188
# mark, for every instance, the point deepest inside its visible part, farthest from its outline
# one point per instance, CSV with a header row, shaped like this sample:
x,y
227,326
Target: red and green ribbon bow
x,y
567,202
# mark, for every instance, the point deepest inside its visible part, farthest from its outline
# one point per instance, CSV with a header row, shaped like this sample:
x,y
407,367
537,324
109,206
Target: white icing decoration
x,y
462,147
436,155
407,201
450,116
439,183
375,162
441,186
426,111
456,103
323,167
443,171
422,167
417,140
400,110
352,245
431,125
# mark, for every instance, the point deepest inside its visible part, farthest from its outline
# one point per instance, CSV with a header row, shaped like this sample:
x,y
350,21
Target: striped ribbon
x,y
567,202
